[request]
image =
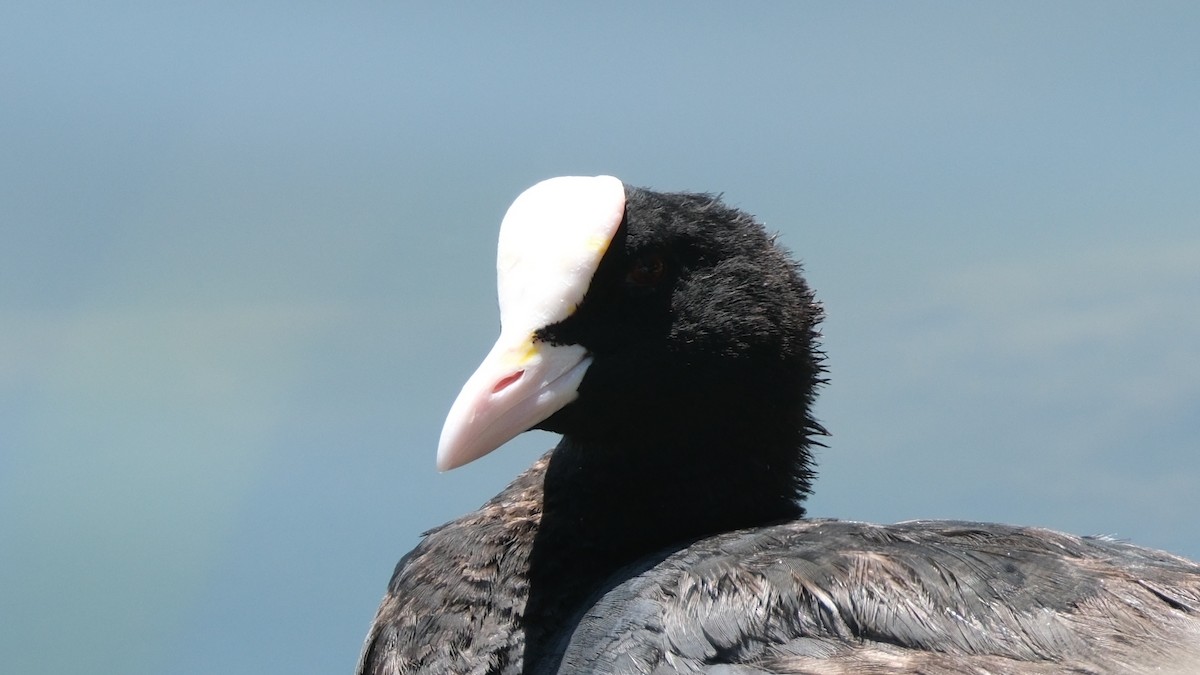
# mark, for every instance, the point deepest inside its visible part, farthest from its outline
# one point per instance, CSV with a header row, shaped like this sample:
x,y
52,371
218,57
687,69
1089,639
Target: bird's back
x,y
933,597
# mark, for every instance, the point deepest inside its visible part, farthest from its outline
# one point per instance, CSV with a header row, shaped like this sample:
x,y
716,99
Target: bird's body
x,y
804,596
664,533
933,597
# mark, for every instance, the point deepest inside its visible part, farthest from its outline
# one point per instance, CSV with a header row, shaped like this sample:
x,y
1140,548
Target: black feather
x,y
664,534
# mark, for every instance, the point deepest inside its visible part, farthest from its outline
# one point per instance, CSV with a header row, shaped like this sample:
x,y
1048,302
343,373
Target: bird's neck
x,y
632,500
606,507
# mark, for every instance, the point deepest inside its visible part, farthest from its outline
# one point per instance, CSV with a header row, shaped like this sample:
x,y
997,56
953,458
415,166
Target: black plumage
x,y
664,533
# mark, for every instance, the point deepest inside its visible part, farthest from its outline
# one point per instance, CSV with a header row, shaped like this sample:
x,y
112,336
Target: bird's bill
x,y
520,383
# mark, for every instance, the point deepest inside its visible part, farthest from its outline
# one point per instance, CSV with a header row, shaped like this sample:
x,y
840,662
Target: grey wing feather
x,y
830,597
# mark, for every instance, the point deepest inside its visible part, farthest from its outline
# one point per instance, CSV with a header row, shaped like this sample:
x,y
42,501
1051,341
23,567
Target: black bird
x,y
673,344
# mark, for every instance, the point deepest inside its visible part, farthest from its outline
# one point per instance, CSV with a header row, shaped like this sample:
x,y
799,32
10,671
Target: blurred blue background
x,y
247,261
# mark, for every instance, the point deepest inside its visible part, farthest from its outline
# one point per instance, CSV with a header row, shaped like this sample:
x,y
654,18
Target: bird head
x,y
635,316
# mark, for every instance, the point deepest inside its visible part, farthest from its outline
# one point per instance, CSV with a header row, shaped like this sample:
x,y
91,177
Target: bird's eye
x,y
646,271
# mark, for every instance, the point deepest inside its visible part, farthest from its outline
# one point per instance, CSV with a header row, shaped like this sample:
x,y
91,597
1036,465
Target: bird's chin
x,y
560,421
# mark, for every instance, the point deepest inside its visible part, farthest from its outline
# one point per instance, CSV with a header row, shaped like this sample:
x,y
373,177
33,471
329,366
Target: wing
x,y
831,597
437,618
454,602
